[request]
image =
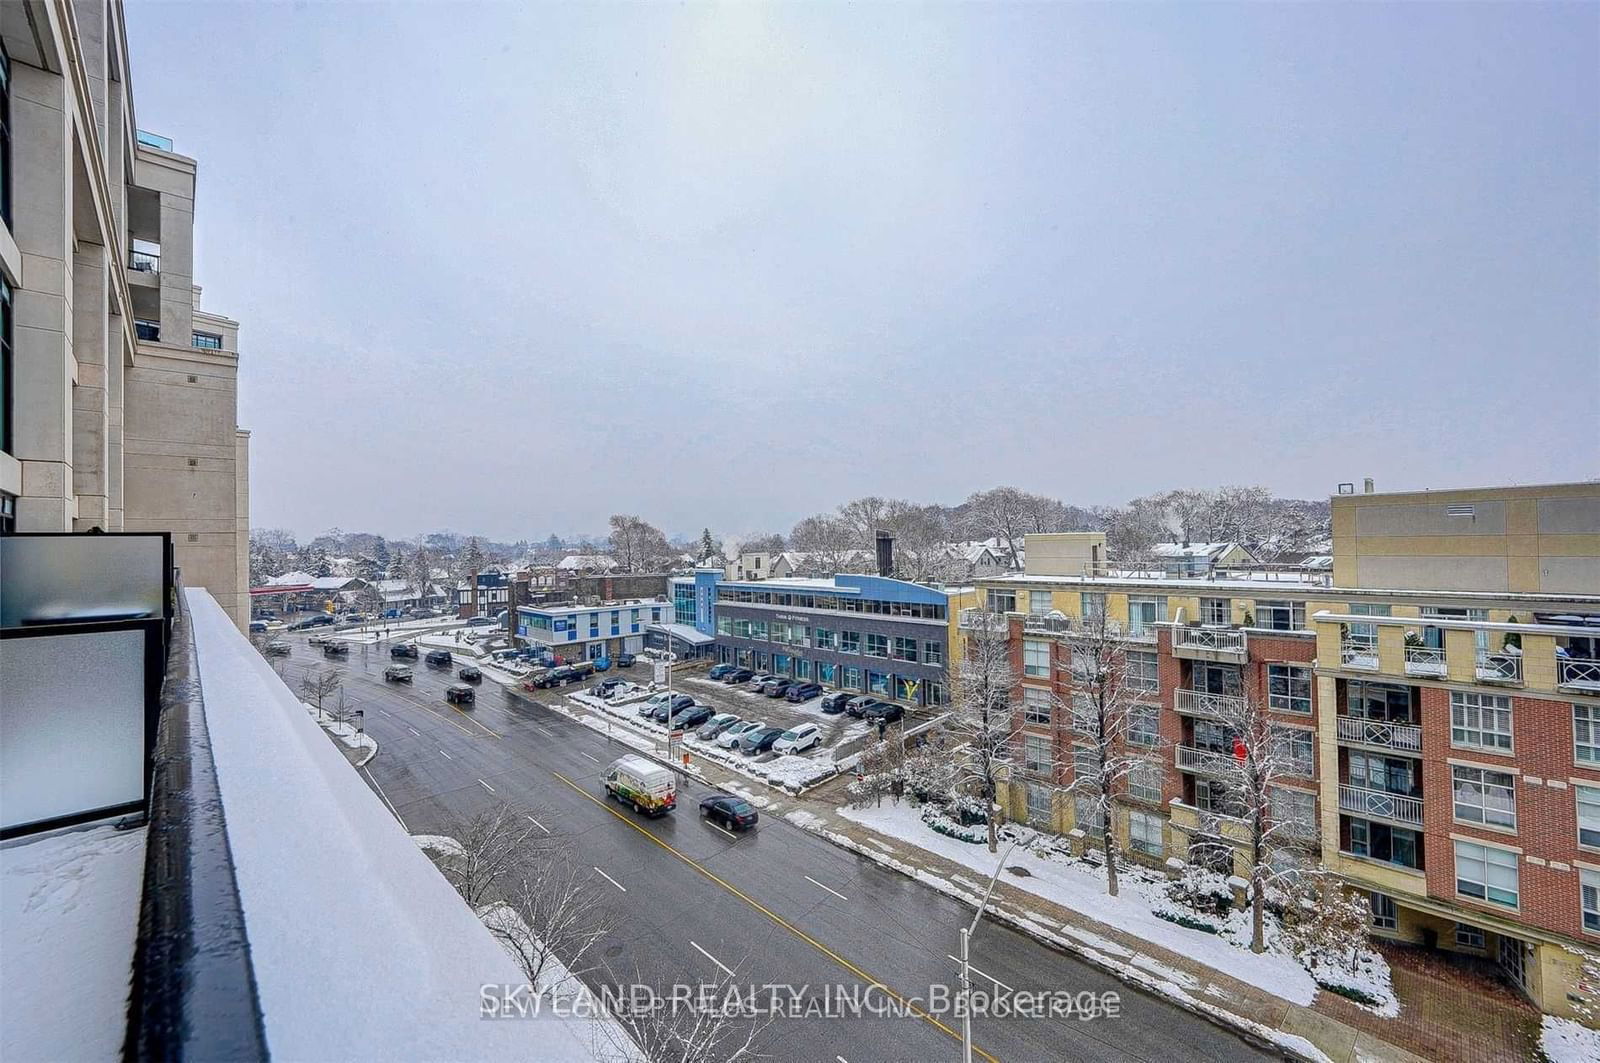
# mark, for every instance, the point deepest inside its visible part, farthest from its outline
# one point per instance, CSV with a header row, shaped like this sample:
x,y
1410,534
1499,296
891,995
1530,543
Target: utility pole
x,y
966,959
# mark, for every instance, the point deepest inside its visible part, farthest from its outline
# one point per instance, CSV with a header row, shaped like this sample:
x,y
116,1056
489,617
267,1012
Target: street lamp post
x,y
966,959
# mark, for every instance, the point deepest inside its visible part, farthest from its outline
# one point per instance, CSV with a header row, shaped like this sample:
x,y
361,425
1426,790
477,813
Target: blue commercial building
x,y
869,634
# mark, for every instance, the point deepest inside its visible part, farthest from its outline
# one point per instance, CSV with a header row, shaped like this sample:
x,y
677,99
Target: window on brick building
x,y
1589,890
1144,725
1035,657
1141,671
1039,602
1036,705
1486,873
1586,733
1289,688
1036,757
1480,720
1216,611
1588,802
1144,782
1144,833
1484,796
1469,937
1040,806
1089,816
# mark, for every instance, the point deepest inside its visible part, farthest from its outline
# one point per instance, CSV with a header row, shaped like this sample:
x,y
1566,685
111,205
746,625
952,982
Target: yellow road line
x,y
775,917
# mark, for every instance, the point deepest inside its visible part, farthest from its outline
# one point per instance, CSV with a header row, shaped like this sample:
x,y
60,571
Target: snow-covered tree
x,y
710,549
1324,922
419,574
981,716
1109,722
828,543
497,846
548,914
636,544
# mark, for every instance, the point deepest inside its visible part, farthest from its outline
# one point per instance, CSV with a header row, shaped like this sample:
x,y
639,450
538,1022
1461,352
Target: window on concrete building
x,y
852,679
1588,802
849,642
1379,841
1035,657
1036,705
933,653
905,649
1001,601
1216,611
208,341
825,639
1093,604
1280,615
5,140
1289,688
1484,796
1589,890
1039,602
1385,916
1586,733
936,695
1144,833
877,645
1468,937
1482,721
1144,613
1486,873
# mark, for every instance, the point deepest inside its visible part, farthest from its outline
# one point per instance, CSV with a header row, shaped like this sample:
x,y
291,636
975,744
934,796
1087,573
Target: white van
x,y
649,787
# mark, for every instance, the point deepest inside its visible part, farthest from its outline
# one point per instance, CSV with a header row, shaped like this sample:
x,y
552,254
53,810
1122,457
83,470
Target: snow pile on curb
x,y
439,843
346,734
1566,1041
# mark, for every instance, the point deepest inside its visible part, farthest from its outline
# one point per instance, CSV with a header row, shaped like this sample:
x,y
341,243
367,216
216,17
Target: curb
x,y
1257,1034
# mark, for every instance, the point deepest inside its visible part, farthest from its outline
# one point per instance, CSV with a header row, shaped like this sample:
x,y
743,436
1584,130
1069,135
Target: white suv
x,y
798,740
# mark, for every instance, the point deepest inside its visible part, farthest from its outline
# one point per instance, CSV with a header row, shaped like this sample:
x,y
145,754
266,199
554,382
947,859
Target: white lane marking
x,y
985,974
445,755
413,730
384,711
830,889
726,969
386,800
544,731
841,1059
729,833
611,880
486,786
591,756
536,823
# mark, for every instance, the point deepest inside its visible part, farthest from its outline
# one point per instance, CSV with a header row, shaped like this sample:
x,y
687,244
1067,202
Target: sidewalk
x,y
1440,1017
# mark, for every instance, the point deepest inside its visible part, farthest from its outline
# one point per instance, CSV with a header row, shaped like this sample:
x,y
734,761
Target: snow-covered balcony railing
x,y
1202,761
1060,625
1357,653
1499,667
975,619
1208,643
1580,673
1424,660
1405,737
1199,703
1380,804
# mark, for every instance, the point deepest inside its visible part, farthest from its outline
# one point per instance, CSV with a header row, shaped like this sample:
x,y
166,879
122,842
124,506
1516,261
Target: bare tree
x,y
702,1029
828,543
318,685
497,846
1265,754
765,543
636,543
550,916
1110,725
420,574
982,718
1000,513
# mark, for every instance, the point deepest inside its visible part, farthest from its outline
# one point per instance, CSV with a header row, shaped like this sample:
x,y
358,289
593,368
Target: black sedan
x,y
739,675
678,703
470,673
624,660
761,742
690,718
732,812
885,712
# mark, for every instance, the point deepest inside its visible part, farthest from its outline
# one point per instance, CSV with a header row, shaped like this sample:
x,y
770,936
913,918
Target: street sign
x,y
659,672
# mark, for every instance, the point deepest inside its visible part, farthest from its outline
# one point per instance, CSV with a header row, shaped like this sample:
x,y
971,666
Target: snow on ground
x,y
69,915
1081,889
1566,1041
439,843
462,641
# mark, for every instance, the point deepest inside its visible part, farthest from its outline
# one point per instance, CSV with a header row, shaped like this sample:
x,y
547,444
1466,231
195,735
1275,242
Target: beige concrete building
x,y
118,395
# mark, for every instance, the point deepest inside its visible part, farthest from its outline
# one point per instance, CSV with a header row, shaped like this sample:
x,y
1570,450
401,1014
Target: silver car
x,y
716,725
729,739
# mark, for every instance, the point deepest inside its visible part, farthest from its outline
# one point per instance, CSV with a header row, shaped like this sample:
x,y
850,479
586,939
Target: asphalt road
x,y
776,906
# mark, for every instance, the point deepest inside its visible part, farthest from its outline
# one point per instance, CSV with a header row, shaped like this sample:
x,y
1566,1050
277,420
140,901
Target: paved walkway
x,y
1445,1014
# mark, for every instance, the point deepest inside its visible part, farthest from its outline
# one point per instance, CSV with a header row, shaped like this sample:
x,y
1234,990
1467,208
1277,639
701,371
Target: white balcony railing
x,y
1581,672
1060,625
1500,667
1406,737
1227,640
975,619
1200,703
1204,761
1380,803
1425,660
1363,655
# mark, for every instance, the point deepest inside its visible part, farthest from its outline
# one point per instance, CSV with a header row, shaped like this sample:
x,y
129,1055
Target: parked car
x,y
857,706
263,614
716,725
439,658
336,649
798,739
649,787
833,704
404,649
460,694
606,687
258,627
354,618
276,648
803,691
653,702
625,660
581,669
738,675
558,676
690,718
734,813
757,742
886,711
470,673
719,670
480,621
729,739
777,687
397,673
320,620
759,682
671,707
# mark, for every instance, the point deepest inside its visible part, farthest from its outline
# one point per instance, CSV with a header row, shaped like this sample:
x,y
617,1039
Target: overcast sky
x,y
508,269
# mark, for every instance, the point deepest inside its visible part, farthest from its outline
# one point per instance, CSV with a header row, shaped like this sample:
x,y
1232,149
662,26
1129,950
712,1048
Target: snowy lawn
x,y
1565,1041
1075,885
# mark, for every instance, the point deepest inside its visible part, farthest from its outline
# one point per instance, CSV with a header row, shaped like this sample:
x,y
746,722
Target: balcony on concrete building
x,y
1578,673
975,619
1381,804
1206,643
